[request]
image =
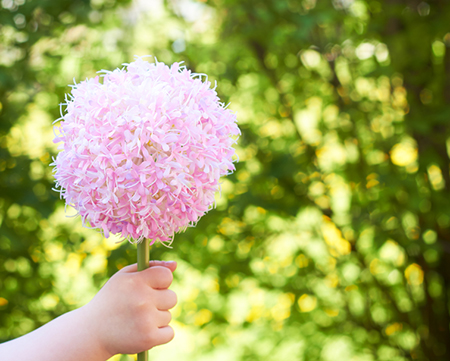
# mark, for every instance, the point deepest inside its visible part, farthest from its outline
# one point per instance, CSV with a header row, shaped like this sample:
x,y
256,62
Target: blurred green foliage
x,y
331,241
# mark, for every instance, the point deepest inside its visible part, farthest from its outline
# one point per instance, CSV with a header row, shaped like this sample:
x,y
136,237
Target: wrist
x,y
91,332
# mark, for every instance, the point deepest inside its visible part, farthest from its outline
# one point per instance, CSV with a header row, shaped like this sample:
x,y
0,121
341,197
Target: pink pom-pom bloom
x,y
143,151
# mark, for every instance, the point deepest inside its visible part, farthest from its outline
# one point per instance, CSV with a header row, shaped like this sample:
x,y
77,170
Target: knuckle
x,y
123,283
129,280
140,303
143,310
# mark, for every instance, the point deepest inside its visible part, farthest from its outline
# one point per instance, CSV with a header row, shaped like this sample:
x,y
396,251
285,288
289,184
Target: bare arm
x,y
128,315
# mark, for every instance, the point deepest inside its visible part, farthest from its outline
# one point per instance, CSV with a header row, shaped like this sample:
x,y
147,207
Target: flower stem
x,y
143,255
143,259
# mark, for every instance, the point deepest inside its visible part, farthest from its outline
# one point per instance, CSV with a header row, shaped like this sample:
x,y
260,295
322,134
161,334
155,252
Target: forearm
x,y
66,338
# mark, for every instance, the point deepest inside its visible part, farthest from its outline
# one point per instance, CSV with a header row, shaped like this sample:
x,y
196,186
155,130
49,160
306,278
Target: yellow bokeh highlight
x,y
203,316
399,101
229,227
32,135
332,263
391,251
3,301
435,177
49,301
376,267
332,313
73,263
404,153
373,266
332,280
393,328
282,310
338,246
301,261
372,183
414,274
307,303
99,251
351,288
109,245
332,153
54,251
256,312
272,129
307,120
311,58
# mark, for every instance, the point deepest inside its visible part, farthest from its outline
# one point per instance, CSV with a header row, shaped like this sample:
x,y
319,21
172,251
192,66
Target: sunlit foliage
x,y
330,242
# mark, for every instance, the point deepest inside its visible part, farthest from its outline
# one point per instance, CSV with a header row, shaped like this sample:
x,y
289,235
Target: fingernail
x,y
168,263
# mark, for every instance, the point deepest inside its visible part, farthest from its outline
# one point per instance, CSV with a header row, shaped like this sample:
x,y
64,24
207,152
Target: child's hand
x,y
130,313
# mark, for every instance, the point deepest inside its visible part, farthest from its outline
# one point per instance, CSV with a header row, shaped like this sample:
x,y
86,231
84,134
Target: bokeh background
x,y
330,242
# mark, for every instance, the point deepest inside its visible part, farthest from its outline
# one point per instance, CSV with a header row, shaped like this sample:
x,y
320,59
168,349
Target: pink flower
x,y
142,153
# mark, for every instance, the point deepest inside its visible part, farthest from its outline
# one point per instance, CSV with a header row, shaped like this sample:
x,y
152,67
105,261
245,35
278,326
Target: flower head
x,y
143,151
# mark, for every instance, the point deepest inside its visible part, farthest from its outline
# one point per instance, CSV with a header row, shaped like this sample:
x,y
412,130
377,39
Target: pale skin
x,y
130,314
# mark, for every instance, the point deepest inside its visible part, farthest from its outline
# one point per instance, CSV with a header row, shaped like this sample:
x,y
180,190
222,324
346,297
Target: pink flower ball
x,y
142,153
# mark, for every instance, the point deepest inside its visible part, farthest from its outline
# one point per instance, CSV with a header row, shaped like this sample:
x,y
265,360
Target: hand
x,y
130,313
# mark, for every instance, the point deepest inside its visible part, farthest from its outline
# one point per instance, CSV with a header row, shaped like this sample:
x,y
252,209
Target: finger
x,y
163,318
165,334
156,277
165,300
172,265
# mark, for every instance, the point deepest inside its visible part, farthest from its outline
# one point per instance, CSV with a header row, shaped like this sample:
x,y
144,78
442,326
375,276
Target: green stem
x,y
143,259
143,255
